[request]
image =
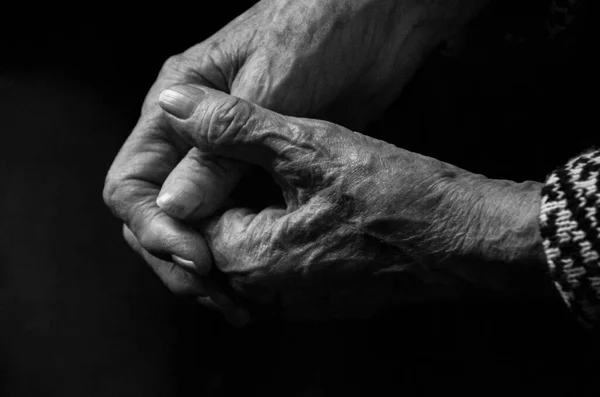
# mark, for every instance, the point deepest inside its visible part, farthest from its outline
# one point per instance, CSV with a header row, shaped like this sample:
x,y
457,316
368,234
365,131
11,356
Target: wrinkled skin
x,y
343,61
364,224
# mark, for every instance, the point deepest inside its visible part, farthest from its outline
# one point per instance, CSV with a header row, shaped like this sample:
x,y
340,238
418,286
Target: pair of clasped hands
x,y
362,220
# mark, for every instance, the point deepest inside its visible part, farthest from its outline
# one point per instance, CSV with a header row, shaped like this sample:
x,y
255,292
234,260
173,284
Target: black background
x,y
81,315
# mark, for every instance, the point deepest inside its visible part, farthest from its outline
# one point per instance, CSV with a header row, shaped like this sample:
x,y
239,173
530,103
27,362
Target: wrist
x,y
495,231
505,224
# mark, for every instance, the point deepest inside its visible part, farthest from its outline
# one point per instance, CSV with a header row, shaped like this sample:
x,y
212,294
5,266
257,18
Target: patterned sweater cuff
x,y
571,233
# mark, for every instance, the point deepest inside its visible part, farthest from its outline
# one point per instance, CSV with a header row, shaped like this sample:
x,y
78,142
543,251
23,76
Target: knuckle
x,y
111,194
214,46
108,192
117,195
177,69
228,119
173,63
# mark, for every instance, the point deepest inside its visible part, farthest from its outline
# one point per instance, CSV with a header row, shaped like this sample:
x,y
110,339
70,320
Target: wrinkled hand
x,y
364,222
338,60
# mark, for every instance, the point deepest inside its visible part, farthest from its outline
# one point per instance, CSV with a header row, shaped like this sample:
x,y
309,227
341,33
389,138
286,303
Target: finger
x,y
199,185
231,127
240,240
162,235
132,185
239,226
184,281
179,281
148,156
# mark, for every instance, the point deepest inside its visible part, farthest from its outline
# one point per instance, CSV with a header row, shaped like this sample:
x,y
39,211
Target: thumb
x,y
225,125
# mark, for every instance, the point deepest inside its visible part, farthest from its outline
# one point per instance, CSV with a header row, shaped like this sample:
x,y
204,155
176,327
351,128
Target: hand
x,y
364,224
339,60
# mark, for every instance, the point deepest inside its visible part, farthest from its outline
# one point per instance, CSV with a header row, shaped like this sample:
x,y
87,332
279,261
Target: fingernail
x,y
184,262
180,100
164,200
182,205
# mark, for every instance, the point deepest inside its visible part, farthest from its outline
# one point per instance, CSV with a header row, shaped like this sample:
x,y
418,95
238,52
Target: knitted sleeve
x,y
571,233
